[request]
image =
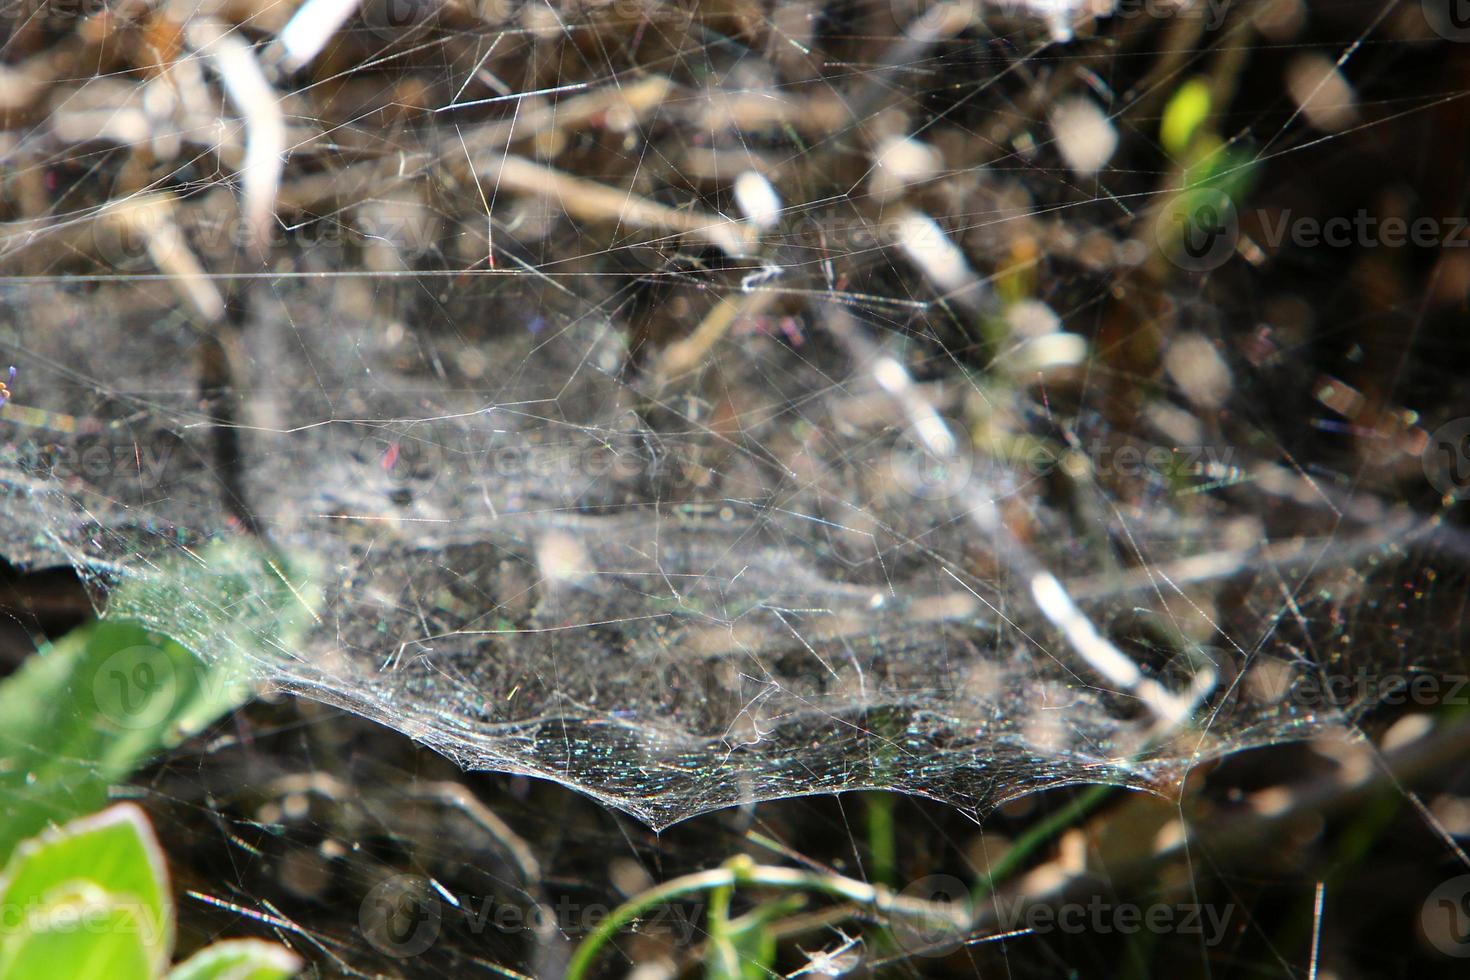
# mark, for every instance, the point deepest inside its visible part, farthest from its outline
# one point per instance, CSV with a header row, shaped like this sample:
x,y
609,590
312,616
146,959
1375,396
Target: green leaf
x,y
748,953
239,959
743,948
91,895
84,713
1231,169
1183,116
82,935
90,901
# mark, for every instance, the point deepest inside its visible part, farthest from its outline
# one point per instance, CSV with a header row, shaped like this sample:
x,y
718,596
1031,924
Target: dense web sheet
x,y
687,481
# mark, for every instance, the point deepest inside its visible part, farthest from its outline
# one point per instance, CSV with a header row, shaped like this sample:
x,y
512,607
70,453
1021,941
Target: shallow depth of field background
x,y
600,443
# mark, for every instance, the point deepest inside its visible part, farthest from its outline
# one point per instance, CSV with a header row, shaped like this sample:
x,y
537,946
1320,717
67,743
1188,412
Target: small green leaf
x,y
1186,112
81,934
749,953
94,894
743,948
239,959
84,713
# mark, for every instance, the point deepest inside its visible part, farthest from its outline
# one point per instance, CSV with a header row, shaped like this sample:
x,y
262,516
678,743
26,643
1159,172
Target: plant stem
x,y
1039,833
736,872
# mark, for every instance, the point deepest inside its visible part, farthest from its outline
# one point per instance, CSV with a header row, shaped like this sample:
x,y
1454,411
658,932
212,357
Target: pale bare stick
x,y
265,124
592,201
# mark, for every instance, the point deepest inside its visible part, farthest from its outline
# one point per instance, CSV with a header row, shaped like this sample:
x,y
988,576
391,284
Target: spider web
x,y
693,408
